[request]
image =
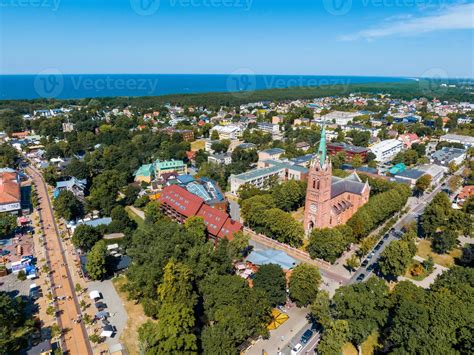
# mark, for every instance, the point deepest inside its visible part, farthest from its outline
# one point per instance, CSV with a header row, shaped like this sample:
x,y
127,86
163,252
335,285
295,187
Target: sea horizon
x,y
53,84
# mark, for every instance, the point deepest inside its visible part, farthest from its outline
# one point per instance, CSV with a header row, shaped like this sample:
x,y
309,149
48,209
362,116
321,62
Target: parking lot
x,y
118,315
14,286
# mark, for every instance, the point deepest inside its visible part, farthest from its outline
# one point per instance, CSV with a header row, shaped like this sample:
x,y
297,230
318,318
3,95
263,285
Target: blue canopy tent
x,y
272,256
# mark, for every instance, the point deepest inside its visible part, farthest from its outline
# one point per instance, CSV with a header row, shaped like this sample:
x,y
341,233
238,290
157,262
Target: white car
x,y
296,350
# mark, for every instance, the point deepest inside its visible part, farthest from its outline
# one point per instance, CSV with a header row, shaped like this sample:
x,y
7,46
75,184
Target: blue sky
x,y
323,37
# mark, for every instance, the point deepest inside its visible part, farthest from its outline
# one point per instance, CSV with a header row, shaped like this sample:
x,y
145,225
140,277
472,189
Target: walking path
x,y
74,339
428,280
326,268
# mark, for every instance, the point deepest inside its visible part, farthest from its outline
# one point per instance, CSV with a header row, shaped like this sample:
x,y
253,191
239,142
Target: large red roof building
x,y
10,196
180,204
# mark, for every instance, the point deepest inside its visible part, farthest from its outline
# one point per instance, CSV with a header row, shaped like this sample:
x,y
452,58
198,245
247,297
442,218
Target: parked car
x,y
360,277
306,336
100,306
365,262
296,349
371,267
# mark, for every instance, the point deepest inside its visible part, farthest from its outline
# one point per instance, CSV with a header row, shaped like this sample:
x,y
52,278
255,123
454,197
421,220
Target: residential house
x,y
168,166
350,150
220,159
76,186
145,173
272,153
408,139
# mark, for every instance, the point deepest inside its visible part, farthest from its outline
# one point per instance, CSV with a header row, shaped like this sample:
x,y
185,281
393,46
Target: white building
x,y
467,141
386,150
340,118
220,159
269,127
447,155
256,177
227,132
435,171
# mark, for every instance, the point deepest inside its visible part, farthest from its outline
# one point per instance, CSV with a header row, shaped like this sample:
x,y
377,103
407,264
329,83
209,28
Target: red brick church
x,y
330,200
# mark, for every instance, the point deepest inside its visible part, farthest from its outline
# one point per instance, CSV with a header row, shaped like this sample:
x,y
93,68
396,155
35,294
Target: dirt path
x,y
74,340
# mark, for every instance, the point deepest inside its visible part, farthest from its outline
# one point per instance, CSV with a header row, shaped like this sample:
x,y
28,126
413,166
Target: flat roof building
x,y
386,150
446,156
467,141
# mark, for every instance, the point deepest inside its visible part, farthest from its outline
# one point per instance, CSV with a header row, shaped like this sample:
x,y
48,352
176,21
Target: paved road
x,y
415,211
75,340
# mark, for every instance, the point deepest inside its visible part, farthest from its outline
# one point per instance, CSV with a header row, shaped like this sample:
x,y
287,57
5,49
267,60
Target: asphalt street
x,y
412,215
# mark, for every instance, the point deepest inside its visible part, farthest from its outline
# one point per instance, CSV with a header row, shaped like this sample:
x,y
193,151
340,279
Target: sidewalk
x,y
428,280
279,337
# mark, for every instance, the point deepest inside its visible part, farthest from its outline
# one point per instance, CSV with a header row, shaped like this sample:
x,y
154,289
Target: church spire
x,y
322,147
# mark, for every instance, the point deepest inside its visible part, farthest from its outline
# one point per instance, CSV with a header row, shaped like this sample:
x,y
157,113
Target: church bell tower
x,y
318,194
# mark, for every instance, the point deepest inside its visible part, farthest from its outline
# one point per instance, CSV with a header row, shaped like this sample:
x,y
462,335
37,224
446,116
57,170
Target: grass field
x,y
349,349
447,260
367,347
136,317
134,216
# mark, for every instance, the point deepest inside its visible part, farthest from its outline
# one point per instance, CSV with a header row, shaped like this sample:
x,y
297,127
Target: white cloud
x,y
458,17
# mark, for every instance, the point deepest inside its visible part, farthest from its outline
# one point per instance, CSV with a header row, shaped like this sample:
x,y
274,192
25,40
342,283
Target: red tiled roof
x,y
181,200
213,218
218,223
9,188
467,191
229,228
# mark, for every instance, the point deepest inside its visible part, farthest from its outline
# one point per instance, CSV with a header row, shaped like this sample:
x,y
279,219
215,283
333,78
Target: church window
x,y
318,185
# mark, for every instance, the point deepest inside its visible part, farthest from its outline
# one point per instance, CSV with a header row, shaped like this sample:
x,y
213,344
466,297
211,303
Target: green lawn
x,y
140,222
447,260
420,277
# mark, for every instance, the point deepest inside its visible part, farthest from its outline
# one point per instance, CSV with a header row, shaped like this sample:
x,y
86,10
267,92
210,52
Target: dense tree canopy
x,y
96,261
8,224
85,237
67,206
14,326
304,284
396,258
329,244
271,280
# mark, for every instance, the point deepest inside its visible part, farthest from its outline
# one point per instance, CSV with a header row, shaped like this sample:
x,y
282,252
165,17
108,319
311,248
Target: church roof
x,y
351,183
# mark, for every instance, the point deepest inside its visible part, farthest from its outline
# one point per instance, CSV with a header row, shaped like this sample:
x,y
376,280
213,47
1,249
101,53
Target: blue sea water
x,y
67,86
